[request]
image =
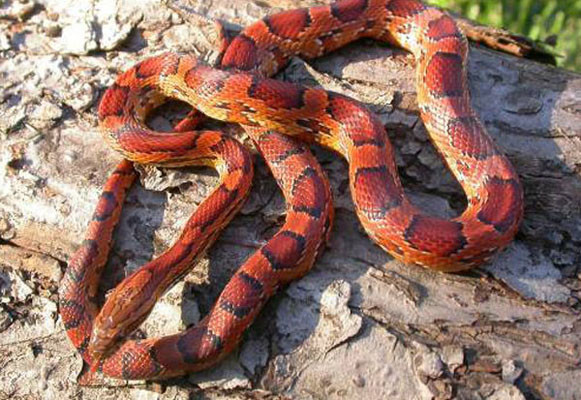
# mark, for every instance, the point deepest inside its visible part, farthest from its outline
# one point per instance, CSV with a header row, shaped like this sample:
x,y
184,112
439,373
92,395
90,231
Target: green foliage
x,y
540,20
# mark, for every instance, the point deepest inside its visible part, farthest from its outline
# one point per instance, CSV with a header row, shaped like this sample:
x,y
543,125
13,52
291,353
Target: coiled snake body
x,y
274,113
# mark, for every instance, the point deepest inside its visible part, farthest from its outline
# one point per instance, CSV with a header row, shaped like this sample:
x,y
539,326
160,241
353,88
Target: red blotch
x,y
503,208
435,235
277,94
242,54
348,10
149,67
375,191
442,27
241,294
284,251
113,101
364,127
193,78
154,66
354,115
309,193
405,8
467,136
195,346
288,24
443,75
208,81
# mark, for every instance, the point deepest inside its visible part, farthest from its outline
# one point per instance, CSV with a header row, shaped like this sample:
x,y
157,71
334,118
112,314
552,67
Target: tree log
x,y
360,324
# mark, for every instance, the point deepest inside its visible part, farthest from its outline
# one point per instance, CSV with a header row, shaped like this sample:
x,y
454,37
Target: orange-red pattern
x,y
240,92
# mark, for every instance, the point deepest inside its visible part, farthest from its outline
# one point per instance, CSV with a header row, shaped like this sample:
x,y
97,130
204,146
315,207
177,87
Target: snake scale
x,y
279,117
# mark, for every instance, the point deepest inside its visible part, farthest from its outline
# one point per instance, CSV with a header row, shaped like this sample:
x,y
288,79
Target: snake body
x,y
274,114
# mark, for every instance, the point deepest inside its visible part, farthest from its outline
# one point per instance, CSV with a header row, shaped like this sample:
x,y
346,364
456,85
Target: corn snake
x,y
272,111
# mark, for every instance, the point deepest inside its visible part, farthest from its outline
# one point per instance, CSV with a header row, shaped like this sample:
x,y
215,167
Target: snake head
x,y
124,310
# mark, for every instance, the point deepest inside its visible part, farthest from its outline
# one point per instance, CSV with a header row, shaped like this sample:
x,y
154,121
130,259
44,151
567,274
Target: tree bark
x,y
360,324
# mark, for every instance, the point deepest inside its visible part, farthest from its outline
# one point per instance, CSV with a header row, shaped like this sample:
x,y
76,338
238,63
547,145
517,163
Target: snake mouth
x,y
101,343
108,335
121,314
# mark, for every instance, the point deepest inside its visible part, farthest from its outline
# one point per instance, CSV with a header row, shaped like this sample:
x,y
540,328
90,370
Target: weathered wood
x,y
360,325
